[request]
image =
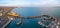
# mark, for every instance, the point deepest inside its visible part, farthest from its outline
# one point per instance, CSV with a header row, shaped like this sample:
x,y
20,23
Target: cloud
x,y
29,3
51,2
48,3
14,3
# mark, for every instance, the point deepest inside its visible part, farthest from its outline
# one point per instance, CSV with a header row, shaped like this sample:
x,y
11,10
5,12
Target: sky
x,y
29,2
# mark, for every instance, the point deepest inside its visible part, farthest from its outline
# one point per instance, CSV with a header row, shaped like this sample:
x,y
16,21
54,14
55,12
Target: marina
x,y
29,13
7,17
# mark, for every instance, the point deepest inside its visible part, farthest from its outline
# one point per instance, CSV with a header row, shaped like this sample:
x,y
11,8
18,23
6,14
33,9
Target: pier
x,y
6,16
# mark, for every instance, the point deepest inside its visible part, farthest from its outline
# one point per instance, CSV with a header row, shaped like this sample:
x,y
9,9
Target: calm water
x,y
32,11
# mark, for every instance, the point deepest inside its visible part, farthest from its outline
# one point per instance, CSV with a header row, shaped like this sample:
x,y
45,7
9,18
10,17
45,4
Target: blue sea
x,y
32,11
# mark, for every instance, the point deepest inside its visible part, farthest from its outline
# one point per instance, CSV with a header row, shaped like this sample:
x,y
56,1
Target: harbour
x,y
31,22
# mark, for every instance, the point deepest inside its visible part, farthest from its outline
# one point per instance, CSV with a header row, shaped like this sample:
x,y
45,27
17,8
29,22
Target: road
x,y
3,19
